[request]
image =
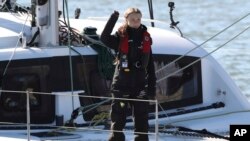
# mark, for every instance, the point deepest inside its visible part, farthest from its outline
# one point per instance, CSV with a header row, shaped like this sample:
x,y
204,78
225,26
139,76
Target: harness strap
x,y
146,43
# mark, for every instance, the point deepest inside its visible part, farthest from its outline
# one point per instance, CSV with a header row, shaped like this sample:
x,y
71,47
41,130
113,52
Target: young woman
x,y
134,76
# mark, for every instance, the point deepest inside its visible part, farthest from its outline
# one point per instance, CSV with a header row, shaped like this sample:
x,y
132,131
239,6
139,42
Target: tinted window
x,y
13,104
177,84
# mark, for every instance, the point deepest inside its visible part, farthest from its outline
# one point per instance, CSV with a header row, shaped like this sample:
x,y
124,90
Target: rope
x,y
98,118
105,61
105,56
184,131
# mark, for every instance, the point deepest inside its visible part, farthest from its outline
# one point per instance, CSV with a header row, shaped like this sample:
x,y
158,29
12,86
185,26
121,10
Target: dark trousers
x,y
119,110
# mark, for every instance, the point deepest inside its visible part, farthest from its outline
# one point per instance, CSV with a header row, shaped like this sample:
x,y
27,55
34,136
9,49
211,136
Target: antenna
x,y
173,23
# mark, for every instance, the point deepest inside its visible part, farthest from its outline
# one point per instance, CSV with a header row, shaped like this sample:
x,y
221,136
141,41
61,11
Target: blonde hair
x,y
130,11
122,30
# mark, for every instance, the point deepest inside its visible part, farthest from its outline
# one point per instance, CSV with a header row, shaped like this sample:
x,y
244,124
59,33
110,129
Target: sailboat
x,y
56,76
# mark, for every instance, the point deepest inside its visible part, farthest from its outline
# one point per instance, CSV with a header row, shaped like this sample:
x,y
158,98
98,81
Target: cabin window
x,y
177,84
20,82
13,104
181,87
97,86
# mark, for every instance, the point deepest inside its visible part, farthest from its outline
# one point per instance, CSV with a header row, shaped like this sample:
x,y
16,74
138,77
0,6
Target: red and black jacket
x,y
136,44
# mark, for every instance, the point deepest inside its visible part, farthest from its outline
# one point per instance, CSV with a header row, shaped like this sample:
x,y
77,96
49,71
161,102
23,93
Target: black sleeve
x,y
112,41
151,76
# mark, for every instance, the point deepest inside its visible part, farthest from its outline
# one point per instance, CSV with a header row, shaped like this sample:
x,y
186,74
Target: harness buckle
x,y
137,64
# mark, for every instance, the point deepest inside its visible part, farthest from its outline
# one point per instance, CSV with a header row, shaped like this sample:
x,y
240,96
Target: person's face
x,y
134,20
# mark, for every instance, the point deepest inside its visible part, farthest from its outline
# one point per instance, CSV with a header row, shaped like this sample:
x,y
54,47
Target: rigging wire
x,y
165,77
223,30
183,55
73,35
77,39
234,37
14,51
97,42
105,55
70,56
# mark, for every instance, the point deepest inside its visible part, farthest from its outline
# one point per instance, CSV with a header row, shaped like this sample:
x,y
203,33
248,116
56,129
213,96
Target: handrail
x,y
28,124
28,114
156,121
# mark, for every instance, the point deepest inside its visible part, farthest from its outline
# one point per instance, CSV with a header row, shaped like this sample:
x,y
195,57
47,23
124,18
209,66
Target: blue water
x,y
199,21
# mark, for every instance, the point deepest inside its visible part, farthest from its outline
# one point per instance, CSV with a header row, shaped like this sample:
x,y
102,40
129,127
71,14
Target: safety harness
x,y
145,49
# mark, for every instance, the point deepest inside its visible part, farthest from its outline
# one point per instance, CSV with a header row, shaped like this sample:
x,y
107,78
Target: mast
x,y
47,21
150,8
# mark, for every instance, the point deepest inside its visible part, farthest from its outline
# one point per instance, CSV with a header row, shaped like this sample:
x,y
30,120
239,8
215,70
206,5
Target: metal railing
x,y
28,123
